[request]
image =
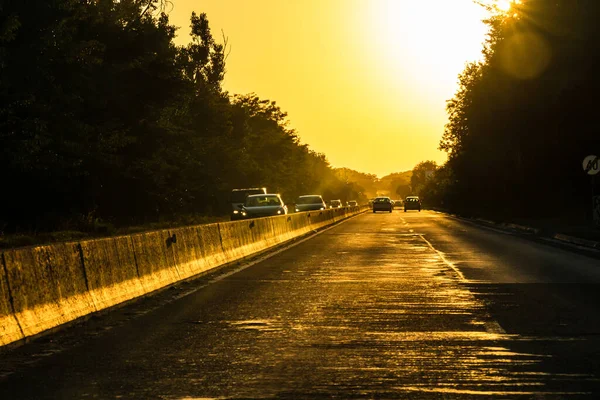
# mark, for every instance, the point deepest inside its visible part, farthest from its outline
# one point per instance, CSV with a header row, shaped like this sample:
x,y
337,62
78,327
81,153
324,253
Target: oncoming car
x,y
352,203
412,203
263,205
382,204
335,204
238,197
310,203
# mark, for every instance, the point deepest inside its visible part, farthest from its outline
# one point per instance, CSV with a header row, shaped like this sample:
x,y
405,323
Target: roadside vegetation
x,y
524,117
108,127
105,123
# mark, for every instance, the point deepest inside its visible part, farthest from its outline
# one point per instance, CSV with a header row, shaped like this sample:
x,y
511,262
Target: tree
x,y
103,117
403,190
368,183
520,123
421,174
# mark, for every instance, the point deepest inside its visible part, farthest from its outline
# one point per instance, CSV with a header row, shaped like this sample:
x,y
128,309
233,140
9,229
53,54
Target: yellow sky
x,y
363,81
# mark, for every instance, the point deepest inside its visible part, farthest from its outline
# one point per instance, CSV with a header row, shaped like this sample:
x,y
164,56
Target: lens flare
x,y
525,55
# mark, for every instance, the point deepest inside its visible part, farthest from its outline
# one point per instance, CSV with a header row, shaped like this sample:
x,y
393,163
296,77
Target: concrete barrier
x,y
268,232
209,237
111,271
318,219
47,286
282,229
197,249
298,224
10,331
242,238
155,259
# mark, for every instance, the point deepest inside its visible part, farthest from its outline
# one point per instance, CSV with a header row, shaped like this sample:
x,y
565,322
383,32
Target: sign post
x,y
591,165
597,210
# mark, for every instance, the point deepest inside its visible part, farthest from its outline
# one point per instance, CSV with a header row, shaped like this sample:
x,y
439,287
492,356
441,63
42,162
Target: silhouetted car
x,y
397,203
352,203
335,204
311,202
238,197
263,205
412,203
382,204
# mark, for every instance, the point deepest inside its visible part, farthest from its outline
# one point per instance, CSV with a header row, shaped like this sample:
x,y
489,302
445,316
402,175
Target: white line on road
x,y
445,260
491,326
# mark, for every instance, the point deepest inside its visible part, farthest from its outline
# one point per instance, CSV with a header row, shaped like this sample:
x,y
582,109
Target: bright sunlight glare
x,y
427,43
372,75
506,5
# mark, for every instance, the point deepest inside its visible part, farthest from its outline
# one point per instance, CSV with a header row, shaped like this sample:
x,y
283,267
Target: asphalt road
x,y
402,305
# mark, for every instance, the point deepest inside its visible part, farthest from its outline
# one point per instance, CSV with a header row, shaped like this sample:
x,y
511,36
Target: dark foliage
x,y
524,118
104,118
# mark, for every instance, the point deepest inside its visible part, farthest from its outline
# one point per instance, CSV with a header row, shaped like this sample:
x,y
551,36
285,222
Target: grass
x,y
99,230
573,223
577,227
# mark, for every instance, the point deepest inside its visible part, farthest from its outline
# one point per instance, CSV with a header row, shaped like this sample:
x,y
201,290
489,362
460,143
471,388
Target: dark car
x,y
238,197
412,203
263,205
311,202
382,204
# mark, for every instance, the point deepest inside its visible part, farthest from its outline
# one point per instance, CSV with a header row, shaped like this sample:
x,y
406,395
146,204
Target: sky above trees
x,y
364,82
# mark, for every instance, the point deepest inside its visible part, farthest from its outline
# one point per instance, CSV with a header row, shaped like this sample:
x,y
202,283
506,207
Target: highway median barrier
x,y
155,259
44,287
209,237
10,331
48,286
236,238
187,251
299,224
319,219
265,234
111,271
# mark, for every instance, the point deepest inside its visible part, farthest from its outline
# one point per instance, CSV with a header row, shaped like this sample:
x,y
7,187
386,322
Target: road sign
x,y
597,210
591,165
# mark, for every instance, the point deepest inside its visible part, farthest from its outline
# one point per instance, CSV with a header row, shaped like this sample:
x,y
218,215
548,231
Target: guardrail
x,y
44,287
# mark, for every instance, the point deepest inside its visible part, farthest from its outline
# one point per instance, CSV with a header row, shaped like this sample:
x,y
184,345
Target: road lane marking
x,y
445,260
490,326
494,327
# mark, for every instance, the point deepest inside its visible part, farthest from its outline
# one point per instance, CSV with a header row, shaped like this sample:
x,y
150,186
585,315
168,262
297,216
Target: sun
x,y
426,43
506,5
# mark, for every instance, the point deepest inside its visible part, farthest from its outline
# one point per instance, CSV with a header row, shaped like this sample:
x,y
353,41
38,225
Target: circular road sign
x,y
591,165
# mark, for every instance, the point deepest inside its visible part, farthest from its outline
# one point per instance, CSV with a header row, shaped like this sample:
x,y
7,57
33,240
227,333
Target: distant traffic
x,y
257,202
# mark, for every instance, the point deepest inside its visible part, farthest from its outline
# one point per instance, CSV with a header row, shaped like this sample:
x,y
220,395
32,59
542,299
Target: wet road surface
x,y
402,305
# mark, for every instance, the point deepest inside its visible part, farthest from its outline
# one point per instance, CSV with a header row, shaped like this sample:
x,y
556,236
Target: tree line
x,y
104,118
524,118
